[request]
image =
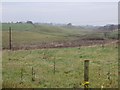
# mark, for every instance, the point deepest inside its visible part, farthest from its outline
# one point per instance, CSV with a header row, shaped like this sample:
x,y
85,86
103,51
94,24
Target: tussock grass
x,y
69,67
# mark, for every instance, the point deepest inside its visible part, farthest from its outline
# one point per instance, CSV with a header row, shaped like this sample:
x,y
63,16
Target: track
x,y
67,44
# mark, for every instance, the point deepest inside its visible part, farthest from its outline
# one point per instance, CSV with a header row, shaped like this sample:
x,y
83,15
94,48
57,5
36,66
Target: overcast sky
x,y
78,13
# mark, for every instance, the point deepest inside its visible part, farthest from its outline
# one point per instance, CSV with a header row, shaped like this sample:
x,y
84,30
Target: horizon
x,y
25,22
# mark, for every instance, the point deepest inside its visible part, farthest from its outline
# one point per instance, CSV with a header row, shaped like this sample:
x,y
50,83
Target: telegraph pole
x,y
10,39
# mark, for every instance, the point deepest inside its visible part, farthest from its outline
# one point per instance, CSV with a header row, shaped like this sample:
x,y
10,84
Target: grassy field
x,y
35,68
28,34
69,65
23,34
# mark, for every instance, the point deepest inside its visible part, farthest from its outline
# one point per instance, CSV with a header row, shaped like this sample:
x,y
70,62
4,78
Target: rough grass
x,y
69,64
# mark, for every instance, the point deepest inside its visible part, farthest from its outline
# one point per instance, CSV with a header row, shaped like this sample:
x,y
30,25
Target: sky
x,y
77,13
60,0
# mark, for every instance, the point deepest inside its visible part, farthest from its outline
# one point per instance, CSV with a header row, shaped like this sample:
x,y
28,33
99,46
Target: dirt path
x,y
68,44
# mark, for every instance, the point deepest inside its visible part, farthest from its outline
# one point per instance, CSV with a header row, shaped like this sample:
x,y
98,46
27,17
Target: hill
x,y
24,35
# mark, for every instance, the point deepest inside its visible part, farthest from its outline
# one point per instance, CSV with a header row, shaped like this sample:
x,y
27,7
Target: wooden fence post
x,y
54,65
86,74
33,75
10,39
21,76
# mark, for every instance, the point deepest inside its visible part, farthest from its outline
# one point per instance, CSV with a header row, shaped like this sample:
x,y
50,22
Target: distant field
x,y
68,67
27,35
35,34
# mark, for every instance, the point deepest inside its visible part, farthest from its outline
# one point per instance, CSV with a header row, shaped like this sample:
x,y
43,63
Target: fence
x,y
109,80
87,71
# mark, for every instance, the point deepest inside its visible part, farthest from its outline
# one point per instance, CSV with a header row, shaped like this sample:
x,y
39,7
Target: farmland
x,y
58,67
25,36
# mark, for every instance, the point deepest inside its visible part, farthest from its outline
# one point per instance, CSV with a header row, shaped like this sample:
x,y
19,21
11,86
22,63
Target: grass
x,y
69,62
69,67
28,34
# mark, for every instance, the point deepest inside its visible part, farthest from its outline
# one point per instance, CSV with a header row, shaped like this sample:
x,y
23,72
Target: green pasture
x,y
69,67
28,34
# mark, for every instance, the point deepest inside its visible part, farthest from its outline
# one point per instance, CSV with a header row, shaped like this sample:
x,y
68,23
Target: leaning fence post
x,y
86,74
